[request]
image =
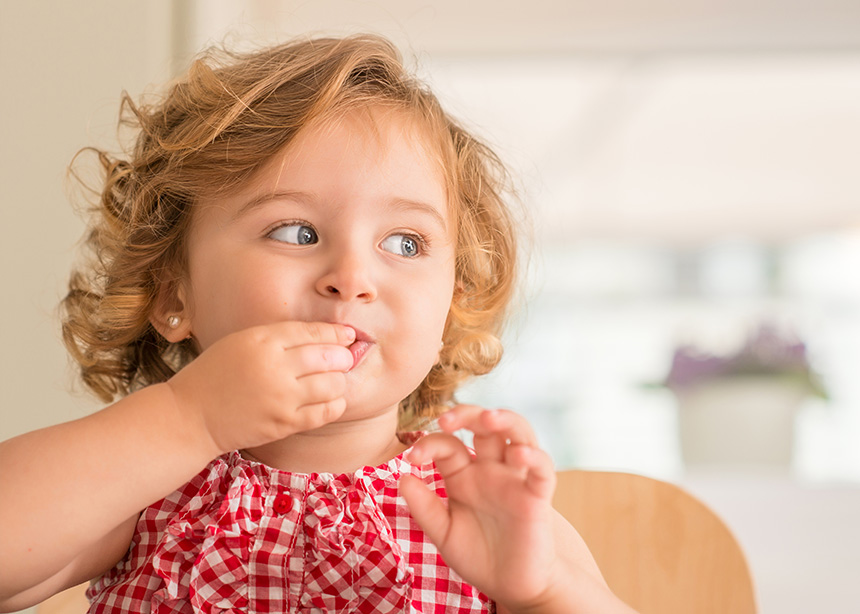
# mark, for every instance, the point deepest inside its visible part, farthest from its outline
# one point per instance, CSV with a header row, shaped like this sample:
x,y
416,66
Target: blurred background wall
x,y
690,170
62,68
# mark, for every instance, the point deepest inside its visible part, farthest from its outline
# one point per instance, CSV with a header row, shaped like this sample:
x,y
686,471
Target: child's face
x,y
349,225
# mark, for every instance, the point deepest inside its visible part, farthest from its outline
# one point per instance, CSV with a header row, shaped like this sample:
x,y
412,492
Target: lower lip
x,y
359,350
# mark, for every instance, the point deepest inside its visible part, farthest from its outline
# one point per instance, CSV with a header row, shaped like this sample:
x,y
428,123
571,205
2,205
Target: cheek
x,y
423,308
434,312
226,299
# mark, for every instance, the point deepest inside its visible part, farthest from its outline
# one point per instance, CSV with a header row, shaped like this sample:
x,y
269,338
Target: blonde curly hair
x,y
215,128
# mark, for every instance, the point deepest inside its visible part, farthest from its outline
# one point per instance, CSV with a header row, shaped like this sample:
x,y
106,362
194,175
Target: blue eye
x,y
407,246
297,234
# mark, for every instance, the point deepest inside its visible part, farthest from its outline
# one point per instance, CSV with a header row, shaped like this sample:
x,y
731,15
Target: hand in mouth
x,y
359,348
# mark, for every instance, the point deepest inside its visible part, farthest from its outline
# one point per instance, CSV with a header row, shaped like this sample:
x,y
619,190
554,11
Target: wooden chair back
x,y
660,549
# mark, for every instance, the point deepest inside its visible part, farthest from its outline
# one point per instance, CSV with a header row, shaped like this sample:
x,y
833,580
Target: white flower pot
x,y
742,420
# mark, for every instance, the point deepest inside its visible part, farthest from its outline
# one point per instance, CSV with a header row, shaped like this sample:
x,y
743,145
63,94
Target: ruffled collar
x,y
389,471
349,556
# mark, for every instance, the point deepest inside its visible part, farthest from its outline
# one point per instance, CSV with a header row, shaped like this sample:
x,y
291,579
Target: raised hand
x,y
497,528
266,383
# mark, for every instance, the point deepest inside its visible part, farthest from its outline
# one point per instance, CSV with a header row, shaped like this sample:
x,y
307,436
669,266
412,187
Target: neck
x,y
337,447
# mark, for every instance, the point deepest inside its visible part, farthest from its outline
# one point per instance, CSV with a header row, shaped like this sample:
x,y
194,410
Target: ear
x,y
170,304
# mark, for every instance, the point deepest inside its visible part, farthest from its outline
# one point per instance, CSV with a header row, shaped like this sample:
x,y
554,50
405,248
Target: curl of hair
x,y
209,134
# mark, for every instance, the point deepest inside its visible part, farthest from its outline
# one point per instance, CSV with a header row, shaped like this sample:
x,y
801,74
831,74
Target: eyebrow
x,y
262,199
401,204
405,204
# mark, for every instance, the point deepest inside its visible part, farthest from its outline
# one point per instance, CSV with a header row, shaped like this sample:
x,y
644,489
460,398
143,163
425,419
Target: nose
x,y
347,277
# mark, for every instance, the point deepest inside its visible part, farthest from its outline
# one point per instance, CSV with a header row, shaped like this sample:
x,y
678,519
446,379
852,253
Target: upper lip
x,y
360,335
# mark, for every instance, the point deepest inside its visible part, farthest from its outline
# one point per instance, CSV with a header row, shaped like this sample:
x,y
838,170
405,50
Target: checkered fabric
x,y
244,537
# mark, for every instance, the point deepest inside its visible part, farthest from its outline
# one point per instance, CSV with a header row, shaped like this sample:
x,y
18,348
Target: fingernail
x,y
348,360
349,332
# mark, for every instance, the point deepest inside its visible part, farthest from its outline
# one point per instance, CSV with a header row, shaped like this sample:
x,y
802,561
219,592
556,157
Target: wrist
x,y
190,422
572,591
545,602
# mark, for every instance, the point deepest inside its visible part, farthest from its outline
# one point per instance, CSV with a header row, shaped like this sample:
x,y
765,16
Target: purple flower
x,y
766,352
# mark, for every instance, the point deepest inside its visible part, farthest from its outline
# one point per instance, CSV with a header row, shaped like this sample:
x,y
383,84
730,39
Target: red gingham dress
x,y
244,537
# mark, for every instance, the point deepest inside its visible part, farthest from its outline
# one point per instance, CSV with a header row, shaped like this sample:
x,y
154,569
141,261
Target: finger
x,y
464,416
514,427
318,358
429,511
293,333
310,417
493,429
486,422
448,452
489,447
459,416
318,388
539,473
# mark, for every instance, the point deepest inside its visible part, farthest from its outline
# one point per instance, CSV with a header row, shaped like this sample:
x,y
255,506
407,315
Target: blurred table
x,y
802,540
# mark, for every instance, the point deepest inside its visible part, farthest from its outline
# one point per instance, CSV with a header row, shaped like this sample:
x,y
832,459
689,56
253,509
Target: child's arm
x,y
498,530
73,490
70,494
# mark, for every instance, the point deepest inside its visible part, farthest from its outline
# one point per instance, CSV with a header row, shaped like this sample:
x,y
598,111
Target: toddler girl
x,y
292,271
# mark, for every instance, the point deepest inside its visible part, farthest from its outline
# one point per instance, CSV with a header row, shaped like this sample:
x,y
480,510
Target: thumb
x,y
429,511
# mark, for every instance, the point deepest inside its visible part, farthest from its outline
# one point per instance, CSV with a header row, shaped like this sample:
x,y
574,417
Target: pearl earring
x,y
173,321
